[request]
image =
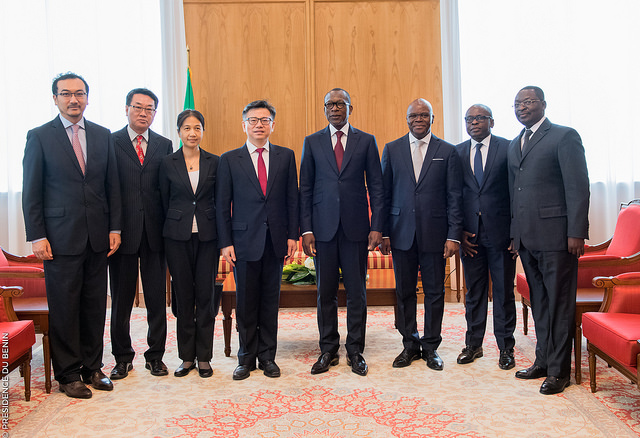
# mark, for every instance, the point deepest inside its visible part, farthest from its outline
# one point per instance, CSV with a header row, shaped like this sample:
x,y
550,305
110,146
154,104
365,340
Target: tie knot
x,y
339,134
259,150
528,132
75,128
478,146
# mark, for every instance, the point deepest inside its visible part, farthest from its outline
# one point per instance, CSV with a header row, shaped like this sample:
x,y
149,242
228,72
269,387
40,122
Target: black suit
x,y
258,226
421,216
549,186
141,241
333,205
487,215
75,212
192,257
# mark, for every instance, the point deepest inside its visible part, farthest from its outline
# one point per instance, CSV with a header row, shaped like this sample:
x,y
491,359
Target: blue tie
x,y
477,164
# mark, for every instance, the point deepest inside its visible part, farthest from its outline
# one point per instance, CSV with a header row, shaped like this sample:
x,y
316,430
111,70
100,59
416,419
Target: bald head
x,y
419,118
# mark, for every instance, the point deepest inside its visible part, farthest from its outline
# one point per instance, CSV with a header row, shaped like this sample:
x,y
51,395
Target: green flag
x,y
188,97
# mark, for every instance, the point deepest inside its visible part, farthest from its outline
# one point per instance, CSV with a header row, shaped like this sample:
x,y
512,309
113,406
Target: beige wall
x,y
385,53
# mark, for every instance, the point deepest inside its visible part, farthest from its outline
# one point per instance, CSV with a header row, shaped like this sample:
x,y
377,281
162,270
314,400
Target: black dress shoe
x,y
182,371
506,361
469,354
242,371
324,362
157,367
98,380
405,358
533,372
204,371
76,389
554,385
358,364
433,360
271,369
121,370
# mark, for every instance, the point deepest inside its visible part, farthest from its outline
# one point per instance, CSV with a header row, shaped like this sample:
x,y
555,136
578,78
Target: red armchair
x,y
28,273
20,337
613,333
619,254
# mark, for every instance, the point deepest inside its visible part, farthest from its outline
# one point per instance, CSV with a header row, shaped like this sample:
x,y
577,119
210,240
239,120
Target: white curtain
x,y
585,59
115,45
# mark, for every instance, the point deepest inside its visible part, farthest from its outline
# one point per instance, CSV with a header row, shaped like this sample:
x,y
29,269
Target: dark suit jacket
x,y
141,201
492,198
62,204
429,210
329,197
245,213
181,204
549,185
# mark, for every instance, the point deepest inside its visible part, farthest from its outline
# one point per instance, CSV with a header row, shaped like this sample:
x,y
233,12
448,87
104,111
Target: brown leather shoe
x,y
76,389
99,381
324,362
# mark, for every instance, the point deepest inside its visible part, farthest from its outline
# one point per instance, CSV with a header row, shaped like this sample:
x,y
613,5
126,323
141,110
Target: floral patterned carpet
x,y
475,400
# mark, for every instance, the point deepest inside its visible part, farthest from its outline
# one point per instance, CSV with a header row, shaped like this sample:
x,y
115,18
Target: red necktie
x,y
262,171
139,149
75,143
339,149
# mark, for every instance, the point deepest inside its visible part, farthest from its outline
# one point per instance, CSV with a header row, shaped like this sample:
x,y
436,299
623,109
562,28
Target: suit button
x,y
519,189
194,202
521,169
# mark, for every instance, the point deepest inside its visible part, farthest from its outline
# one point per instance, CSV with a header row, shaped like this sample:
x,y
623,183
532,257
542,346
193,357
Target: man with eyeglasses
x,y
485,240
139,152
549,186
335,227
72,213
423,228
257,217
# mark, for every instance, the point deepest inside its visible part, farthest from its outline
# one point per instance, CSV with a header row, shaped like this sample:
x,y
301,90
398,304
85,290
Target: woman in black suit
x,y
187,186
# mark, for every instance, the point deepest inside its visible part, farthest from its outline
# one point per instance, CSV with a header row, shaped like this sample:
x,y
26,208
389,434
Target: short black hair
x,y
259,104
184,115
339,89
144,91
537,90
65,76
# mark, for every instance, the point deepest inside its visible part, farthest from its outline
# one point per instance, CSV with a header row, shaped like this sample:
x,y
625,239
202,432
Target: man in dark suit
x,y
139,152
257,208
334,223
423,227
72,213
485,240
549,186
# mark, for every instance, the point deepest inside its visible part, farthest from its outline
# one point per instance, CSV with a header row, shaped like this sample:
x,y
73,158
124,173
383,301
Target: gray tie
x,y
527,136
417,159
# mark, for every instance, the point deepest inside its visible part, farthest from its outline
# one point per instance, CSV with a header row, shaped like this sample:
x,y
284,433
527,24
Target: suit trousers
x,y
257,304
123,276
500,264
351,257
77,296
553,280
432,269
193,265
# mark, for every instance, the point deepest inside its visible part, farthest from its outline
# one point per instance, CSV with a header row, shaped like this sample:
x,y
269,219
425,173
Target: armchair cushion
x,y
21,335
626,238
616,334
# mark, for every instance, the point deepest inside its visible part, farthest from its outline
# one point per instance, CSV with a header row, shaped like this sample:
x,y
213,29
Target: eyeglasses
x,y
254,121
525,103
139,109
77,94
470,119
338,105
413,117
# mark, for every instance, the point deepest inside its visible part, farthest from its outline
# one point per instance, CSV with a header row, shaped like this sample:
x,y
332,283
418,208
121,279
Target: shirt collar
x,y
426,139
66,123
344,129
535,127
485,142
133,134
252,148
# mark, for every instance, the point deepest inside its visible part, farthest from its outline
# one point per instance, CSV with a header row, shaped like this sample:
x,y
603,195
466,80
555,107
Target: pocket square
x,y
438,159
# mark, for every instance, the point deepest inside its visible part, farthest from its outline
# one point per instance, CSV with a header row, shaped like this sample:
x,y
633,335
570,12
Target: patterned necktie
x,y
527,136
339,149
477,164
417,159
75,143
139,150
262,171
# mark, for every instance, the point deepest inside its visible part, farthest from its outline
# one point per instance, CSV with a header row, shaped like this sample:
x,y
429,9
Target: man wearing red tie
x,y
257,218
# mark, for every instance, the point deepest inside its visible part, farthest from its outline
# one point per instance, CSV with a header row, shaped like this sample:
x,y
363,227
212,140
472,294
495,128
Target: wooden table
x,y
381,291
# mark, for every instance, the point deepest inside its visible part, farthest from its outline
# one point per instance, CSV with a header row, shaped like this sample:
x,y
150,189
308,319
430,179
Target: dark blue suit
x,y
192,257
141,241
258,226
333,205
421,217
75,212
487,215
